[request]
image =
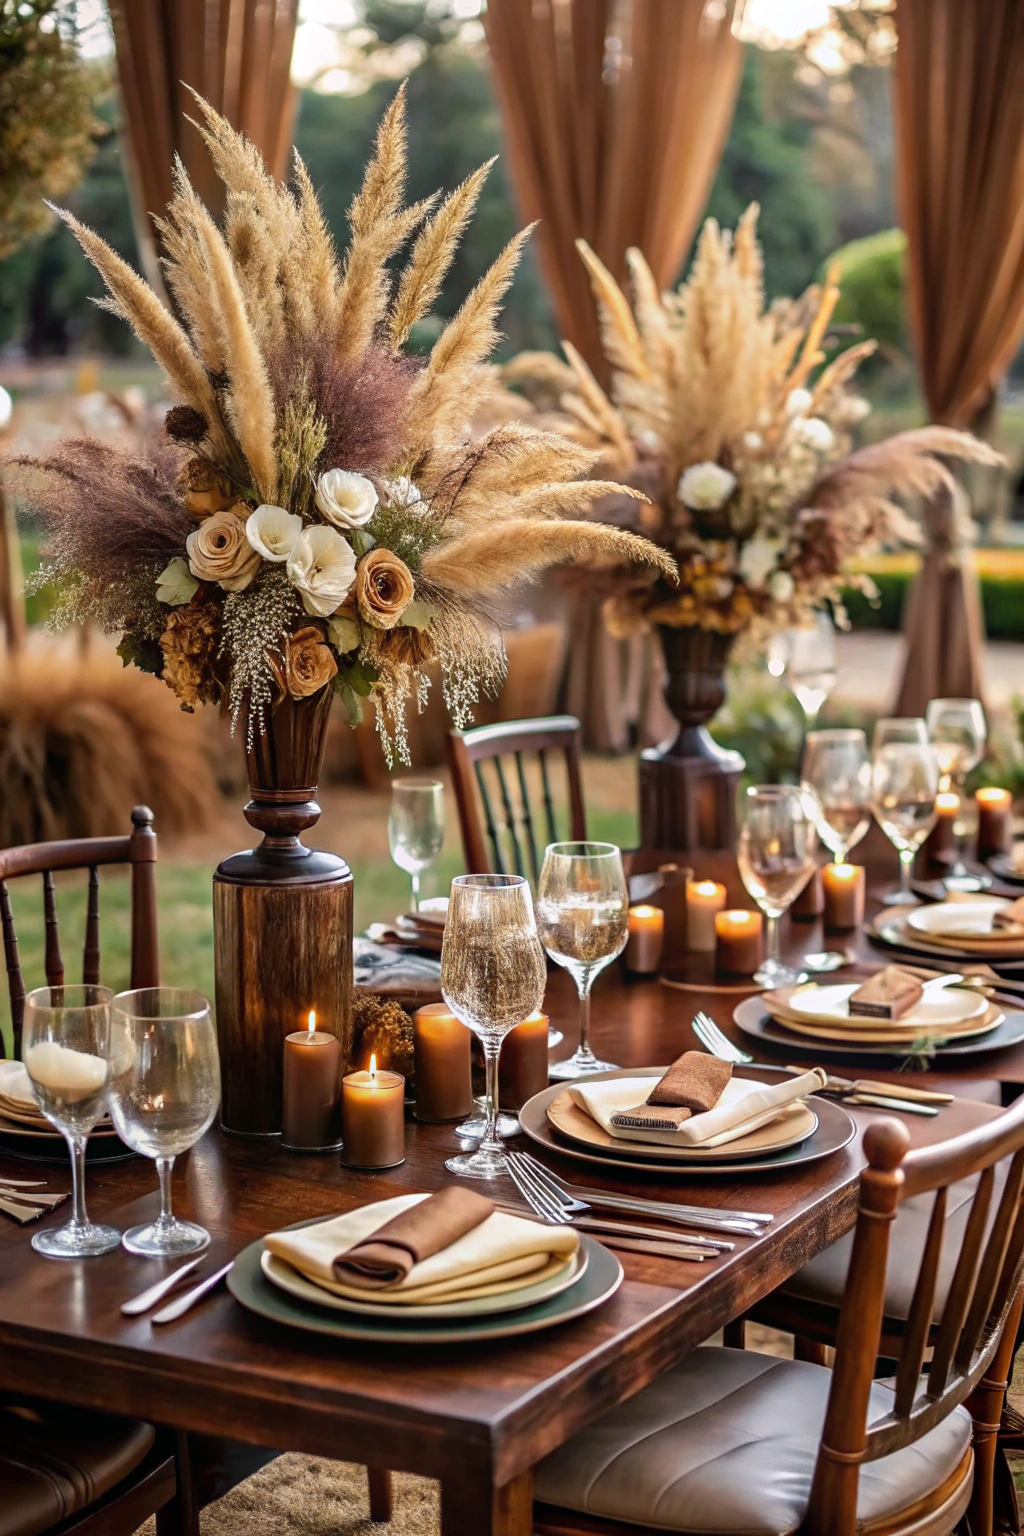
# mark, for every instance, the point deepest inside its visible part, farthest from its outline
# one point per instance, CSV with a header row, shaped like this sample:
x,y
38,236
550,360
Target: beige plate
x,y
794,1124
10,1127
890,928
948,1008
990,1020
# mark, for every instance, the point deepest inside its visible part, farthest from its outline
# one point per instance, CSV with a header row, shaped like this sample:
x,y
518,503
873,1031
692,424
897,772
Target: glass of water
x,y
65,1049
416,827
164,1092
905,781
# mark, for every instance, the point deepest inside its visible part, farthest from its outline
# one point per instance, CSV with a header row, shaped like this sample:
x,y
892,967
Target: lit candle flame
x,y
311,1021
373,1069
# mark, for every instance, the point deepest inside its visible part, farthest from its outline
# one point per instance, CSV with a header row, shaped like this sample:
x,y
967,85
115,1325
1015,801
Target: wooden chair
x,y
768,1445
504,840
139,850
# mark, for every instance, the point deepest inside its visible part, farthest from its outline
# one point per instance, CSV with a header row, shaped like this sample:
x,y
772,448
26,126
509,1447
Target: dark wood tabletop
x,y
477,1417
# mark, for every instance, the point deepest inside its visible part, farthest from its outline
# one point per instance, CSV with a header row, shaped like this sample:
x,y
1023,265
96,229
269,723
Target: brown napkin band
x,y
650,1118
694,1082
387,1255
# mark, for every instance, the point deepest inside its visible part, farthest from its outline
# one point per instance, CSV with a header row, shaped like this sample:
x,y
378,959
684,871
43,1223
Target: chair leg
x,y
180,1517
380,1494
734,1334
985,1405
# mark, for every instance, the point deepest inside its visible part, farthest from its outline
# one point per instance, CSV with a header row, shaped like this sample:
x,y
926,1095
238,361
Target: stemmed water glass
x,y
163,1095
66,1053
836,775
905,781
958,732
776,858
416,827
583,917
806,658
492,978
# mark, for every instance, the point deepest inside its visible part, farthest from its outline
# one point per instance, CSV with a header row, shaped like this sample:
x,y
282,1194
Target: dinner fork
x,y
555,1214
717,1043
574,1197
567,1208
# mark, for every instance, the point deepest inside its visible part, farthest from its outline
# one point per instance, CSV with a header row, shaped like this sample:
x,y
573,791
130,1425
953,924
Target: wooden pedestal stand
x,y
282,923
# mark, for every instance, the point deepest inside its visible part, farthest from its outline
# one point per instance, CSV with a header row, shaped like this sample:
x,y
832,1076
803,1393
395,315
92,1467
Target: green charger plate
x,y
251,1289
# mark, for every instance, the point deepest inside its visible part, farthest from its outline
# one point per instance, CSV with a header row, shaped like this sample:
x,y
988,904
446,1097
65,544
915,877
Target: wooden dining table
x,y
477,1417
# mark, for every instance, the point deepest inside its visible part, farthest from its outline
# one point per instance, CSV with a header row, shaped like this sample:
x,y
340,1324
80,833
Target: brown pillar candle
x,y
646,940
811,901
523,1063
312,1067
373,1118
703,899
940,844
443,1050
995,821
843,885
738,950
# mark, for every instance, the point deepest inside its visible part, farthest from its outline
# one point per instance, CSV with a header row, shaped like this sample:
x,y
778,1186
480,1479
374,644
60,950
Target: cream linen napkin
x,y
14,1084
743,1107
504,1253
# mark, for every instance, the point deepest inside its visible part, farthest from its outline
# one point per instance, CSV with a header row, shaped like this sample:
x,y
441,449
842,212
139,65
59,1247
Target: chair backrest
x,y
985,1283
137,849
513,832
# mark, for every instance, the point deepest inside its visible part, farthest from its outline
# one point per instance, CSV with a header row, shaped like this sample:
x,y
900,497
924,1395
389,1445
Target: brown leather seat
x,y
726,1444
56,1461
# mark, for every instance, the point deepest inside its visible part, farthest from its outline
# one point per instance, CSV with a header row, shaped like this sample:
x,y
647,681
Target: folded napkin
x,y
501,1253
412,1236
15,1084
691,1086
743,1107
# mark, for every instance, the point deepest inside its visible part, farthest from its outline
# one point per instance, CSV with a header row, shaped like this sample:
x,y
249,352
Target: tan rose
x,y
219,550
384,588
205,490
307,663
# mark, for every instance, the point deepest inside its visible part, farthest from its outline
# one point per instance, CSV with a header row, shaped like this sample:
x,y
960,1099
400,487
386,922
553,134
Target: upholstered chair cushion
x,y
55,1461
725,1445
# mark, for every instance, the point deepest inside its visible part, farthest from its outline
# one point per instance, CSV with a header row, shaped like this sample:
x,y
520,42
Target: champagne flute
x,y
904,783
583,916
776,858
492,978
836,775
958,732
164,1091
66,1053
416,827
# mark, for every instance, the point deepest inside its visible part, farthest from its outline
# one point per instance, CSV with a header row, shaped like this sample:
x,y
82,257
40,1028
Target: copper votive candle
x,y
738,949
309,1111
646,940
373,1118
443,1050
843,885
995,821
523,1063
940,844
811,901
703,899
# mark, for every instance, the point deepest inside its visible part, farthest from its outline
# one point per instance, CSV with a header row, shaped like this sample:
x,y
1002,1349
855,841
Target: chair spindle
x,y
549,804
91,950
919,1318
15,980
53,961
510,816
492,830
962,1288
992,1261
524,795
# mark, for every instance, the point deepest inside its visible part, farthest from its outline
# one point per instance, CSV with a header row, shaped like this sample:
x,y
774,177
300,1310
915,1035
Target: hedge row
x,y
1002,599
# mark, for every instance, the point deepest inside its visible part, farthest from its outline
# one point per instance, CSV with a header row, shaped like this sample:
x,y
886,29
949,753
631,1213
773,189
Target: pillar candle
x,y
995,821
811,901
444,1084
646,939
523,1063
312,1067
843,885
373,1118
703,899
940,844
738,948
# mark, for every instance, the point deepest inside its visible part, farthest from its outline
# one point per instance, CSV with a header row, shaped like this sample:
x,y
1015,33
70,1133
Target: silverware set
x,y
23,1207
147,1299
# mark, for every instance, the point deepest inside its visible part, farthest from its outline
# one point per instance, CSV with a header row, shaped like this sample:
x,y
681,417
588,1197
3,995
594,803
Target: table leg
x,y
472,1507
380,1494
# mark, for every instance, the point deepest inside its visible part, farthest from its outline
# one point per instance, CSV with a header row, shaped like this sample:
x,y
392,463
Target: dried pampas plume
x,y
479,563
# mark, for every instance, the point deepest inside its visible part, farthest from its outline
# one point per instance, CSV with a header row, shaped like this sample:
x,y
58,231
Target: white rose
x,y
345,499
781,586
272,532
798,402
402,492
322,568
816,434
758,558
705,487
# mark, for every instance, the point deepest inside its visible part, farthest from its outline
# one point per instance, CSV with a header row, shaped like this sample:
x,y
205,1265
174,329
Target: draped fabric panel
x,y
235,53
615,117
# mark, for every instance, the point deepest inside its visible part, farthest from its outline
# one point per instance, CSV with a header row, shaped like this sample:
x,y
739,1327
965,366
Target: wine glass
x,y
904,783
492,978
806,658
583,917
959,735
776,858
836,774
416,827
66,1053
163,1095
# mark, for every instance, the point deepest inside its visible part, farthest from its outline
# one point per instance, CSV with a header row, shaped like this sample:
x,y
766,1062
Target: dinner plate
x,y
834,1131
287,1278
889,932
959,919
1002,864
793,1125
252,1290
939,1008
991,1019
754,1020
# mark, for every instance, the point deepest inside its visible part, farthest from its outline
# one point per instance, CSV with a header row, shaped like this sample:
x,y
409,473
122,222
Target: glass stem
x,y
416,893
583,1049
489,1141
906,865
773,937
164,1166
79,1215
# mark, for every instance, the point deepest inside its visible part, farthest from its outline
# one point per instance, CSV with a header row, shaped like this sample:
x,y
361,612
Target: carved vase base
x,y
688,794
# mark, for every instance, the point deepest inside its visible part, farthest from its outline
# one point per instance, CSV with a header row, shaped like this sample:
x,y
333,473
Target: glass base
x,y
580,1064
827,960
166,1239
774,974
506,1126
555,1037
478,1165
76,1240
965,881
898,898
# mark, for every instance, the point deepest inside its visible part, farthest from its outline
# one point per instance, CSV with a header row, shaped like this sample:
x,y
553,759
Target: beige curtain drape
x,y
235,53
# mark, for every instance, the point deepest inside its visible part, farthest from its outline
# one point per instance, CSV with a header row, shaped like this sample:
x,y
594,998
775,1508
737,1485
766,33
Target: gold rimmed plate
x,y
755,1021
792,1126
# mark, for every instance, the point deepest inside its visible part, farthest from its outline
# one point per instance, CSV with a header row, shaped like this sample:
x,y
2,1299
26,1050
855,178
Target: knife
x,y
155,1293
904,1106
181,1304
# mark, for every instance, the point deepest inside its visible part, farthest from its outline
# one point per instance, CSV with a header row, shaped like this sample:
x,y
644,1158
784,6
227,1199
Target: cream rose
x,y
219,551
345,499
384,588
758,558
322,568
272,532
705,487
306,663
781,586
816,434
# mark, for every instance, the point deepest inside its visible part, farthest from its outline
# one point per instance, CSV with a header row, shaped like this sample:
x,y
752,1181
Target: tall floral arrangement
x,y
316,513
724,410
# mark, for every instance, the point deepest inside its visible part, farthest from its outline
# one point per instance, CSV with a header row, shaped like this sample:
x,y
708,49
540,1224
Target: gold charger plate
x,y
990,1020
888,929
794,1124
